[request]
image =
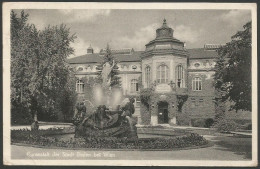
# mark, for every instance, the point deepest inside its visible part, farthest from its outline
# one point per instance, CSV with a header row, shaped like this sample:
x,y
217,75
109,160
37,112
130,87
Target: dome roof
x,y
90,50
164,35
164,31
165,43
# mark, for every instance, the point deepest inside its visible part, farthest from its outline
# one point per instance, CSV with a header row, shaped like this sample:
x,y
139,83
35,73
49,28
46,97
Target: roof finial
x,y
90,47
164,21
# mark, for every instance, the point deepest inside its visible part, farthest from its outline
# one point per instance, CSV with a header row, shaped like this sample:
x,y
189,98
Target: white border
x,y
7,6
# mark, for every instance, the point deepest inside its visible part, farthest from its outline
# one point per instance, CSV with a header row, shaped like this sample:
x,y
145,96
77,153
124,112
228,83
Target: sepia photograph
x,y
133,84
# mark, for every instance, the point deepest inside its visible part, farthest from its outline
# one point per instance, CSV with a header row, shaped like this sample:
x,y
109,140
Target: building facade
x,y
181,79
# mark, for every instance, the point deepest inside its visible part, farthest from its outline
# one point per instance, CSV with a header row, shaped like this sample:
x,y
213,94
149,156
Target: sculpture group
x,y
104,122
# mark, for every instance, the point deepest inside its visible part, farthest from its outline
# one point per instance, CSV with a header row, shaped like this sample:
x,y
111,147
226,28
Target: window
x,y
180,76
207,63
162,74
80,86
80,68
134,85
196,84
134,67
193,102
197,65
148,76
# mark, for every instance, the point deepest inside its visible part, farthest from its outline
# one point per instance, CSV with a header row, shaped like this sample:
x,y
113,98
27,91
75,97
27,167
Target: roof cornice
x,y
164,40
165,52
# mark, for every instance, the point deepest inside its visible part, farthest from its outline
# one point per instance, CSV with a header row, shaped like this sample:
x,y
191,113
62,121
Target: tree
x,y
23,39
220,87
40,76
233,71
51,71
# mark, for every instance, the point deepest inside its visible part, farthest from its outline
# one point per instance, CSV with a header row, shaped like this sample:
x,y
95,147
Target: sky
x,y
129,28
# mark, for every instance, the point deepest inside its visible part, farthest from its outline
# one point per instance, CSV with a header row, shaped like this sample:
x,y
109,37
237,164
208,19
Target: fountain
x,y
109,119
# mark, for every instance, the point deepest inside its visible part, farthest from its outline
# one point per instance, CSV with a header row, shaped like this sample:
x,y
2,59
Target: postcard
x,y
130,84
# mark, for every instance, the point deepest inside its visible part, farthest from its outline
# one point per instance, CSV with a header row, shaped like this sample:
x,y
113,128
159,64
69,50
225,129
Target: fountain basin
x,y
144,142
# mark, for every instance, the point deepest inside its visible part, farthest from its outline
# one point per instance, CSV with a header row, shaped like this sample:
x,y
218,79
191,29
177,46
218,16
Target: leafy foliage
x,y
209,122
220,87
233,70
183,119
198,122
145,96
20,114
226,125
40,76
248,126
181,99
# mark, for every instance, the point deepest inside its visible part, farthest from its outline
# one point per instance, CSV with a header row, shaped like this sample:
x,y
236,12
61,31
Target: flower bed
x,y
43,138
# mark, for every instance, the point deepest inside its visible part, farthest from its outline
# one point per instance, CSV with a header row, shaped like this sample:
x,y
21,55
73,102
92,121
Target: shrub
x,y
247,126
242,121
198,122
208,122
226,125
20,115
183,119
145,114
49,116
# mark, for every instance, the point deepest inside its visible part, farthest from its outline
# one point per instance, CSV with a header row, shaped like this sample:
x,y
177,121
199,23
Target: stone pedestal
x,y
154,120
173,120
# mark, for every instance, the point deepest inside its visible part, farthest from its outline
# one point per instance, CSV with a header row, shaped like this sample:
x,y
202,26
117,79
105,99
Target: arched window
x,y
134,85
148,76
180,76
162,74
80,86
196,84
197,65
80,69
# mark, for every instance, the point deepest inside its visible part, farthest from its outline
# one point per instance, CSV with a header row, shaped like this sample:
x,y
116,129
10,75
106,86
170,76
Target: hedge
x,y
40,138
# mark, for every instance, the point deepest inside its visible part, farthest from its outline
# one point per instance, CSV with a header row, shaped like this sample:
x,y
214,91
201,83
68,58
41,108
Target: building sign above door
x,y
163,97
163,88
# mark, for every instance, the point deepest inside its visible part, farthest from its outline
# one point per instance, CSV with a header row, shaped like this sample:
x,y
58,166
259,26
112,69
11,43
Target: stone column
x,y
173,110
154,120
143,76
172,71
153,71
173,120
154,114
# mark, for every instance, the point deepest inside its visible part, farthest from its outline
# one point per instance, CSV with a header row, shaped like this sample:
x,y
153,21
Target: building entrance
x,y
163,113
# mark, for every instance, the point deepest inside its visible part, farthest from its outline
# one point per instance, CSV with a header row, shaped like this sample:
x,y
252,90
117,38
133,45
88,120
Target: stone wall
x,y
200,104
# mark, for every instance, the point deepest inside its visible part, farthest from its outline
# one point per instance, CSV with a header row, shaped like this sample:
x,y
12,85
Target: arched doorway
x,y
163,112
